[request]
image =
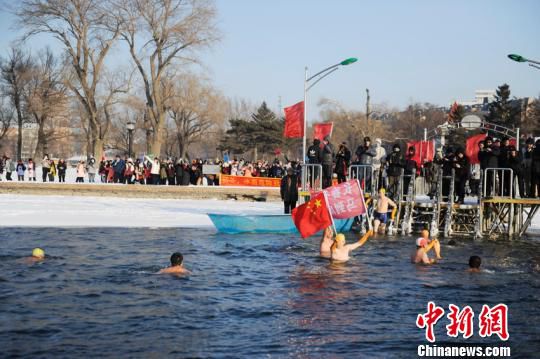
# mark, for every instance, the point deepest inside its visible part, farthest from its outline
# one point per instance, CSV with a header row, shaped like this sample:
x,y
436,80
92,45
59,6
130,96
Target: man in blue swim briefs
x,y
380,215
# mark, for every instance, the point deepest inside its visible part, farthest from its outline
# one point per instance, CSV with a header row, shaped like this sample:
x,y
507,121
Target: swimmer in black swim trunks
x,y
380,214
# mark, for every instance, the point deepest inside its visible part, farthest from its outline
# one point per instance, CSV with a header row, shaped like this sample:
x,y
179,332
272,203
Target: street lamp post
x,y
307,86
130,127
519,58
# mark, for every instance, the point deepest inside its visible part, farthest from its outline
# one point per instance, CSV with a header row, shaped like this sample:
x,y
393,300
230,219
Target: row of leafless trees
x,y
32,92
161,37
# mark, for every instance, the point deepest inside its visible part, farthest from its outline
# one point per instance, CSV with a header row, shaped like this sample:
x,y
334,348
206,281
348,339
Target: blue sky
x,y
427,51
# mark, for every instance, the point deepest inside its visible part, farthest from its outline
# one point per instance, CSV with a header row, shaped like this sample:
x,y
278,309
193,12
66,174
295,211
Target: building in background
x,y
481,98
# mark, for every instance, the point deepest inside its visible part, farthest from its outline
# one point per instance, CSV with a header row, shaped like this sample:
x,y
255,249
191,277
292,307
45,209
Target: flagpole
x,y
305,116
329,211
370,226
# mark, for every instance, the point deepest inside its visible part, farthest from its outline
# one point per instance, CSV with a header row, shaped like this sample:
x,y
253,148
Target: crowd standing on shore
x,y
387,166
146,171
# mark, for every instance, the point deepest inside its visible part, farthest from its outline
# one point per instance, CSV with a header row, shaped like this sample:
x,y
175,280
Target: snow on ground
x,y
78,211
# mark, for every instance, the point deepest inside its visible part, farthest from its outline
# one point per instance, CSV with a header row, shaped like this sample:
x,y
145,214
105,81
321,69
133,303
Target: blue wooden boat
x,y
263,223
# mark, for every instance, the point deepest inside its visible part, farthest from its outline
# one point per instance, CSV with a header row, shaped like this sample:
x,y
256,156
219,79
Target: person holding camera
x,y
343,160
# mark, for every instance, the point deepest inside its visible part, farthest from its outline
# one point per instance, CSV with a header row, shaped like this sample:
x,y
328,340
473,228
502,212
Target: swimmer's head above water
x,y
177,259
38,253
475,262
340,239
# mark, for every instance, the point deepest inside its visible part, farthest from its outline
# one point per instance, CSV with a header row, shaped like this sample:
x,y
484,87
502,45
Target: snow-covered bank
x,y
78,211
75,211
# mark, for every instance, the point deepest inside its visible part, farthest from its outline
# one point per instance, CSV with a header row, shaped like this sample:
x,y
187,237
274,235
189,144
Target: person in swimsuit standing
x,y
380,216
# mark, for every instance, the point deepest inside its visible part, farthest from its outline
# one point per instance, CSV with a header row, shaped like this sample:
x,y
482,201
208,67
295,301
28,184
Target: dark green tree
x,y
267,130
262,134
237,137
502,111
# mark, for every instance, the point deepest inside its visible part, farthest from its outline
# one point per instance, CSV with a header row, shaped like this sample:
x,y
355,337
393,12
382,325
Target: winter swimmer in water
x,y
326,243
423,246
177,266
380,216
340,250
38,255
474,264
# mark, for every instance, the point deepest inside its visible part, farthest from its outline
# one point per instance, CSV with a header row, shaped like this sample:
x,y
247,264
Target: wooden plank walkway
x,y
257,194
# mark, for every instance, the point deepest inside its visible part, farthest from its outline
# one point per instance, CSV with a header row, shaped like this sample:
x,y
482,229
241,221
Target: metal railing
x,y
366,176
498,182
311,178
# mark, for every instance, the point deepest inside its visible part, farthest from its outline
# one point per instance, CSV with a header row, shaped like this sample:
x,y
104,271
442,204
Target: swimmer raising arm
x,y
340,250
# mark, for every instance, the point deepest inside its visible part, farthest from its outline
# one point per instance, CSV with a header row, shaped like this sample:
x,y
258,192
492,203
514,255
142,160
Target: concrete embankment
x,y
141,191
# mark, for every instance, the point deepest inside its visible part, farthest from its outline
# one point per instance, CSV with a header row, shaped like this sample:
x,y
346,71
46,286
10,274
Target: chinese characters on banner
x,y
345,200
491,321
227,180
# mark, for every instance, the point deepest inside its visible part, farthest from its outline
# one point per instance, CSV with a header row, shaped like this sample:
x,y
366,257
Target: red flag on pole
x,y
321,130
346,200
424,151
472,147
312,216
294,121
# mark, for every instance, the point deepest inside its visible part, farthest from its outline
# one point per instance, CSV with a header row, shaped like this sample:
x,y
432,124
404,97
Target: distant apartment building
x,y
481,98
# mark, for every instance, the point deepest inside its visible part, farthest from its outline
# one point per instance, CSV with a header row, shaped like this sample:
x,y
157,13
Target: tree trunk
x,y
157,141
19,135
148,141
41,141
181,147
255,154
155,147
98,149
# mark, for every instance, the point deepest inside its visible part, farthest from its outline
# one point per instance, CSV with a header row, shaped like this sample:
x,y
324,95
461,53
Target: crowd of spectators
x,y
387,164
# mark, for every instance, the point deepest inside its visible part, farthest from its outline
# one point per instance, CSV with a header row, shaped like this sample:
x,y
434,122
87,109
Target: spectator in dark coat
x,y
396,164
491,160
289,190
343,160
410,168
61,168
314,153
179,172
119,166
515,163
535,167
461,174
365,155
527,168
448,162
327,162
186,176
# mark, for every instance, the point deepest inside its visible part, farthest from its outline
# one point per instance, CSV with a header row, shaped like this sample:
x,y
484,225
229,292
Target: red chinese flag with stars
x,y
321,130
472,147
312,216
294,121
